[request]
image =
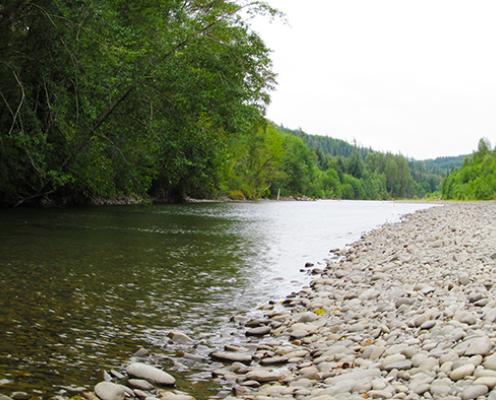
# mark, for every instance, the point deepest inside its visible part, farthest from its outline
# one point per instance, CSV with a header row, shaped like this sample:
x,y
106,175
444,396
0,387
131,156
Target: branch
x,y
21,102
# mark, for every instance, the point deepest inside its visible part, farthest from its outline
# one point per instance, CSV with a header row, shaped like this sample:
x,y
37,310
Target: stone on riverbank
x,y
151,374
110,391
179,337
263,375
407,312
140,384
164,395
228,356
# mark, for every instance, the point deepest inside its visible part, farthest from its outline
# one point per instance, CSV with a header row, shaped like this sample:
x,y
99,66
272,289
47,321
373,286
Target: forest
x,y
476,179
164,99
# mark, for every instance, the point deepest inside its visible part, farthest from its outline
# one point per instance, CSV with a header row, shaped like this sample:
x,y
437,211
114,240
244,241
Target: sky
x,y
416,77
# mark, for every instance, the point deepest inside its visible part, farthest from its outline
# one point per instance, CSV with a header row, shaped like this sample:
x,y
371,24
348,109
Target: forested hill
x,y
476,179
427,174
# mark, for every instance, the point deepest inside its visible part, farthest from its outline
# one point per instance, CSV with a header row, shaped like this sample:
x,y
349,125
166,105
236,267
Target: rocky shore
x,y
406,312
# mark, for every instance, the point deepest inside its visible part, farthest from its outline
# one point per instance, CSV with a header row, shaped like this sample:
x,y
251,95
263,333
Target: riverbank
x,y
407,313
398,314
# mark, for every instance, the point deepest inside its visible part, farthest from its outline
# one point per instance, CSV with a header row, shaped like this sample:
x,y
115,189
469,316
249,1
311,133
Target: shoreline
x,y
423,329
343,338
124,201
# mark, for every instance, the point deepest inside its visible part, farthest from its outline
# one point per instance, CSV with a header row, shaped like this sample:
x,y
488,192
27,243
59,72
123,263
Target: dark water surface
x,y
82,289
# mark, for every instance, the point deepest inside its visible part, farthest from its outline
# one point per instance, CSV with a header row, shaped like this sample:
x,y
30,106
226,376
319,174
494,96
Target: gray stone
x,y
175,396
180,337
141,394
20,396
490,362
263,375
474,391
428,324
274,360
461,372
228,356
110,391
259,331
400,365
151,374
480,345
140,384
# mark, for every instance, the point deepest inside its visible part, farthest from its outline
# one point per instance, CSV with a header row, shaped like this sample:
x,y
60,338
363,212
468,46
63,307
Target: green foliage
x,y
164,98
384,175
272,161
253,161
476,179
105,98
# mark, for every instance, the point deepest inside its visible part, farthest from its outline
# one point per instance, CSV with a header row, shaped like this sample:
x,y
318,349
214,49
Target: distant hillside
x,y
427,174
445,164
476,178
328,145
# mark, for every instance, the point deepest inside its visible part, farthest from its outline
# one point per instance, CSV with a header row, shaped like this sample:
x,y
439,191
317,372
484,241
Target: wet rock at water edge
x,y
20,396
274,360
151,374
228,356
259,331
180,337
90,396
141,394
140,384
174,396
264,376
141,352
117,374
110,391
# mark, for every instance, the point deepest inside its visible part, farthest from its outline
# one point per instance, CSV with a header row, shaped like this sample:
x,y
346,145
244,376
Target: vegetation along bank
x,y
113,101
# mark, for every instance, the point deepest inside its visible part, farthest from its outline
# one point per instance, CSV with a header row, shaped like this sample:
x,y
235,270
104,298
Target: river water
x,y
82,289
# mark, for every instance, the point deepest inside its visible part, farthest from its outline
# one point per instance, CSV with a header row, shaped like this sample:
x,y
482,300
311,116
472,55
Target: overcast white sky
x,y
416,77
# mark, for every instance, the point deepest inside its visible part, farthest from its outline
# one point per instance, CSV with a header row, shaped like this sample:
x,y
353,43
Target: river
x,y
82,289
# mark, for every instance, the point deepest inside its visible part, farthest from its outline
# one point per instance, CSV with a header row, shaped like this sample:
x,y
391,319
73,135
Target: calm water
x,y
82,289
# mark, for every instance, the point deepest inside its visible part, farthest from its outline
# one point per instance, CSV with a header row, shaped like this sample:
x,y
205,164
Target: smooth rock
x,y
461,372
174,396
274,360
481,345
259,331
490,362
140,384
263,376
149,373
179,337
110,391
228,356
474,391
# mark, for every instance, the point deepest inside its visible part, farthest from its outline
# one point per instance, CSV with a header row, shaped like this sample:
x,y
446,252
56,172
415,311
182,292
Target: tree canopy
x,y
164,98
103,98
476,179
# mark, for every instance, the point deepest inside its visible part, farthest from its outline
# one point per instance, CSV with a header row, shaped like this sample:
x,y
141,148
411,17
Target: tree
x,y
114,97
